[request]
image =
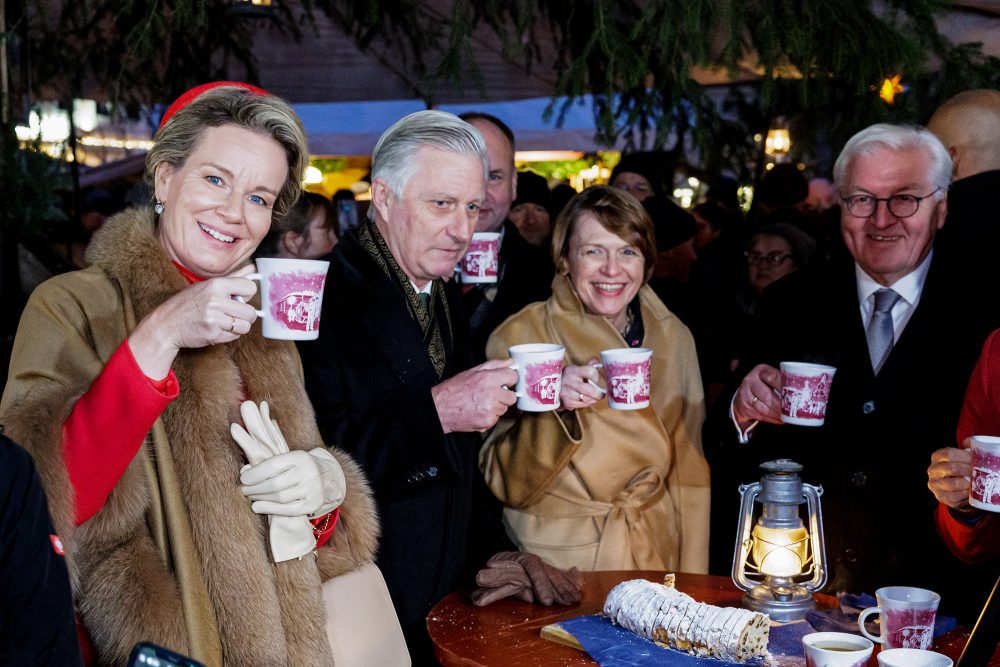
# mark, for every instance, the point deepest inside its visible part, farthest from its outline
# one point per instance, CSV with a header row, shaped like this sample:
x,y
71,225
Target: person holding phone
x,y
126,377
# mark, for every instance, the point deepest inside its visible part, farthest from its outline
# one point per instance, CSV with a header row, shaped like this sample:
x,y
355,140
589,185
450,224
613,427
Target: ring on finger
x,y
581,397
232,326
754,401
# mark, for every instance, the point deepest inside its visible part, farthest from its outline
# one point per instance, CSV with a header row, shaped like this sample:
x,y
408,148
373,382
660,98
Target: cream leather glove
x,y
290,536
295,483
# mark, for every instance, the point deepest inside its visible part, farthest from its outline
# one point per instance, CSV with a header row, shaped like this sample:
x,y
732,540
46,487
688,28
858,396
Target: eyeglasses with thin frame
x,y
900,206
770,259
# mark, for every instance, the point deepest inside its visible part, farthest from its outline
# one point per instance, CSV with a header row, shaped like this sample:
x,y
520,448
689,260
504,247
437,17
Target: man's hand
x,y
949,473
475,399
759,396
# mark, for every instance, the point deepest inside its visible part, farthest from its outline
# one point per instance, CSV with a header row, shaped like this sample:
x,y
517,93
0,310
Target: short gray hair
x,y
885,136
394,158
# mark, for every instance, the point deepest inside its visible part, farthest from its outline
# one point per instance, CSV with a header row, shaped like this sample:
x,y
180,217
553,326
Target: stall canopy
x,y
352,128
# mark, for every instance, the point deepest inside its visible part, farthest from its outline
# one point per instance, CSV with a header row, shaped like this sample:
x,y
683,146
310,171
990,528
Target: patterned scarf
x,y
373,243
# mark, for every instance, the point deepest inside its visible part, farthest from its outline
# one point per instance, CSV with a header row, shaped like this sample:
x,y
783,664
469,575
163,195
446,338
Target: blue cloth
x,y
613,646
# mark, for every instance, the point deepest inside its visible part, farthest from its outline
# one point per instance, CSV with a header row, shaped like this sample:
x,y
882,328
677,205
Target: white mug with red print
x,y
539,375
906,617
805,390
626,377
482,259
291,297
984,481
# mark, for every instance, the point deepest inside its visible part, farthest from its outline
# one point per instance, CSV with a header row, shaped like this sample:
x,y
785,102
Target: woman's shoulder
x,y
85,286
525,323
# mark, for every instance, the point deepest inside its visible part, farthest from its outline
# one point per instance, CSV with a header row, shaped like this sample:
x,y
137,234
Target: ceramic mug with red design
x,y
291,297
906,617
805,390
539,375
482,259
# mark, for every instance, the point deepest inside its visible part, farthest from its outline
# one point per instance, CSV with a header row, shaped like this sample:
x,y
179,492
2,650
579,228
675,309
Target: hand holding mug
x,y
949,474
759,396
580,388
475,399
202,314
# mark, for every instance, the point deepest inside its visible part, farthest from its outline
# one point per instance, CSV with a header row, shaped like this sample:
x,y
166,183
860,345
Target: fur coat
x,y
597,488
175,556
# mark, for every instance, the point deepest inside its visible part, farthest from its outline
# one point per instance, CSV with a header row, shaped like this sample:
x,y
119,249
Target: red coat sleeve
x,y
979,541
108,425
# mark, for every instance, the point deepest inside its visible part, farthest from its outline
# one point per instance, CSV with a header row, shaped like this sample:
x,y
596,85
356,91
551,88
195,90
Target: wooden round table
x,y
507,632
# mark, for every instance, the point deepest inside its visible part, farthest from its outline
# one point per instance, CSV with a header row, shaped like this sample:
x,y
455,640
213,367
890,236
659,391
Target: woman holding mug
x,y
125,379
589,486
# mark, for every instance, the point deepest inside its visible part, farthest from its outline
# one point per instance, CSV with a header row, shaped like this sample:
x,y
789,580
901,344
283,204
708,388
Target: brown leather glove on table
x,y
527,577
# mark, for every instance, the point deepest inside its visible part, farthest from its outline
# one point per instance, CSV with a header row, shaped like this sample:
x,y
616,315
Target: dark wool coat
x,y
369,377
872,454
175,556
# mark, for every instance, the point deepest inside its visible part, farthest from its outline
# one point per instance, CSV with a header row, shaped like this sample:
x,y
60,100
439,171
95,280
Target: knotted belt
x,y
622,520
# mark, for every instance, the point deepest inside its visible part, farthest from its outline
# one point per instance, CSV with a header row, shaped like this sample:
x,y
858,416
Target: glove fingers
x,y
539,578
255,425
274,466
566,593
279,509
270,426
502,556
484,596
254,450
524,595
279,436
495,576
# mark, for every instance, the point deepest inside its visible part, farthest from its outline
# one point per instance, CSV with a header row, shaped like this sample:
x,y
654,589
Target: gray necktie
x,y
880,333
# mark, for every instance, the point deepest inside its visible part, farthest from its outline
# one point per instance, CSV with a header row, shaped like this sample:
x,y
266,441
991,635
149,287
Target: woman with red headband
x,y
126,378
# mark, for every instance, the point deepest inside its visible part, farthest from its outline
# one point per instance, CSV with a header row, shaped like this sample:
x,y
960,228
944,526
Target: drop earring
x,y
158,207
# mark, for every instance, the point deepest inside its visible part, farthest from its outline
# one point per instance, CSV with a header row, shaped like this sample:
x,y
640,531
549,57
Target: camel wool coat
x,y
175,556
597,488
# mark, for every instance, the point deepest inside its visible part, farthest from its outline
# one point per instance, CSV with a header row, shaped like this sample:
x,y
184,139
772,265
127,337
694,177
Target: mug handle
x,y
861,623
519,394
252,276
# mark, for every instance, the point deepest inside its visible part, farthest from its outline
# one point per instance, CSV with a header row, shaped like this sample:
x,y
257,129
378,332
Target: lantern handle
x,y
748,493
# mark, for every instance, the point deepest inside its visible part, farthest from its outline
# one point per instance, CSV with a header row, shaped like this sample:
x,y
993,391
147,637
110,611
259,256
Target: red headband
x,y
192,94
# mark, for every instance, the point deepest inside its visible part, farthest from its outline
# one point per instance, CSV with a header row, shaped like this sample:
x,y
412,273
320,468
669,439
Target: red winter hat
x,y
192,94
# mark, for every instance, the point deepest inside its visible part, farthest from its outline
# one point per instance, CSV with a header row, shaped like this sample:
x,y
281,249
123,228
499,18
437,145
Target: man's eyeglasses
x,y
770,259
900,206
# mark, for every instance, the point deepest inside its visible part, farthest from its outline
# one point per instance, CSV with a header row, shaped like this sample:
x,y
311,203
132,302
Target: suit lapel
x,y
384,317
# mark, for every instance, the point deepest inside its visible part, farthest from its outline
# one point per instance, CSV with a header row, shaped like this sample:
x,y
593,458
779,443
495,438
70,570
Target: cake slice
x,y
667,616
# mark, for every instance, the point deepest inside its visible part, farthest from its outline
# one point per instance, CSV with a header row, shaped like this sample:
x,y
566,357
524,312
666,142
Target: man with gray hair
x,y
390,374
887,321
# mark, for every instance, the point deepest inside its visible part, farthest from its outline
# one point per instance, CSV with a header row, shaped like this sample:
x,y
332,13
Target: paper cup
x,y
805,390
539,375
479,265
626,377
907,617
984,491
836,649
291,297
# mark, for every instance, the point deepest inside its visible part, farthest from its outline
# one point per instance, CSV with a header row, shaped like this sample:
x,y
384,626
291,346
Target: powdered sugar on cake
x,y
665,615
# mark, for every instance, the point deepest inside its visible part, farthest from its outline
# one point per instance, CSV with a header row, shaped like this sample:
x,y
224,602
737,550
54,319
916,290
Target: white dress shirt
x,y
909,287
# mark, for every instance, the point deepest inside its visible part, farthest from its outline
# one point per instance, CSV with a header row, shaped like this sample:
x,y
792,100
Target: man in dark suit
x,y
888,321
968,125
390,374
524,271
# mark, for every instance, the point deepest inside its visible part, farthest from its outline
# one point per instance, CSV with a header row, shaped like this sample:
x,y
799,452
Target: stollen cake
x,y
667,616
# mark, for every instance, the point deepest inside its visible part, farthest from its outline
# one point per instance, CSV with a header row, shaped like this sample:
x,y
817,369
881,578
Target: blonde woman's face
x,y
218,204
